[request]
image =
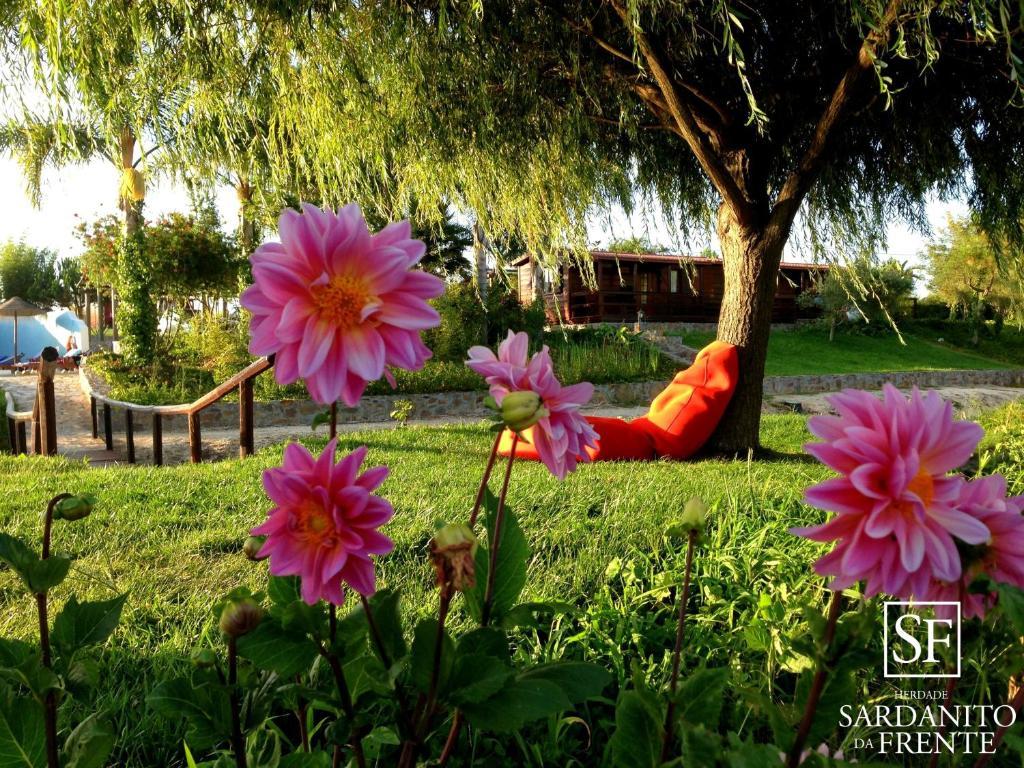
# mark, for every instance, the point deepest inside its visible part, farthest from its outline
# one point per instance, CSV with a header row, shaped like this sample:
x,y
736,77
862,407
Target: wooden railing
x,y
102,407
17,426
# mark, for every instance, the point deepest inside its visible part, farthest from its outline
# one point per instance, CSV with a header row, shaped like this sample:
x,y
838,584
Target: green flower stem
x,y
50,700
483,481
951,683
237,739
1015,703
334,420
346,705
385,657
378,639
499,519
817,685
670,715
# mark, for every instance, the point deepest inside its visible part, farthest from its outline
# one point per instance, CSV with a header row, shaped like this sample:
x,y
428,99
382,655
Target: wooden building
x,y
664,287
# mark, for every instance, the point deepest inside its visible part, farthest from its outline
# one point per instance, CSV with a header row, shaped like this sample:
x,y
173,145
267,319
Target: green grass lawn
x,y
807,350
170,538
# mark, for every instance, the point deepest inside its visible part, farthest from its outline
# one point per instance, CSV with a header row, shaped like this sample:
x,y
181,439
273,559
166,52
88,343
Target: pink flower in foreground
x,y
563,435
336,304
897,506
1001,558
323,527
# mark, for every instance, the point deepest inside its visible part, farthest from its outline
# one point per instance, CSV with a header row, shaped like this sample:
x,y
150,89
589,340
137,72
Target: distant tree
x,y
100,242
966,271
865,290
189,257
30,273
446,239
635,244
69,285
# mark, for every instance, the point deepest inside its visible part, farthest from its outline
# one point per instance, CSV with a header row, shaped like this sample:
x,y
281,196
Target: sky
x,y
86,192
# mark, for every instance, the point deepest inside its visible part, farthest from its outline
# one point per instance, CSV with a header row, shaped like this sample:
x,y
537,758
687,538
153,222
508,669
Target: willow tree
x,y
754,121
83,88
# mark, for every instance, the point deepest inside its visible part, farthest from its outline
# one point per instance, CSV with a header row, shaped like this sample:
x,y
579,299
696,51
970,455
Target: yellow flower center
x,y
313,523
923,485
341,300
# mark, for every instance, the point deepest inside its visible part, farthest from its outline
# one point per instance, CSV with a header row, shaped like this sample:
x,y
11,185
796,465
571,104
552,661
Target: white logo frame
x,y
885,639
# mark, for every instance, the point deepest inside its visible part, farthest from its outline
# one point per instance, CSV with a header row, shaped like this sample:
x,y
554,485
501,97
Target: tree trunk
x,y
750,261
480,274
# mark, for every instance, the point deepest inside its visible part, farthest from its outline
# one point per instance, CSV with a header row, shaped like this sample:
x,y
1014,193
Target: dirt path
x,y
74,433
74,424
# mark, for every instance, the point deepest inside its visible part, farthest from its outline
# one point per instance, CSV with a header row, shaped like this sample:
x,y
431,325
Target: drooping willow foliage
x,y
533,114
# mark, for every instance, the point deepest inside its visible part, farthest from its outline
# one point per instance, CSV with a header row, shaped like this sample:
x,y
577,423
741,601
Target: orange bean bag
x,y
680,420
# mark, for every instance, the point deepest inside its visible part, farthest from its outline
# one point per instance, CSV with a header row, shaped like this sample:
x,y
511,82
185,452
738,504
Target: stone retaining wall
x,y
377,408
812,384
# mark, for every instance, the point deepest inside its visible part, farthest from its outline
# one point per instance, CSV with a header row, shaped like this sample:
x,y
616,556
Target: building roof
x,y
669,258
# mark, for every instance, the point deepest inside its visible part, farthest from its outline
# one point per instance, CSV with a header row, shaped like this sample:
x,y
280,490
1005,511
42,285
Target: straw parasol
x,y
14,307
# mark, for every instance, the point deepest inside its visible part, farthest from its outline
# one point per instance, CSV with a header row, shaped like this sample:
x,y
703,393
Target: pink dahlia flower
x,y
1001,558
336,304
562,437
897,507
323,527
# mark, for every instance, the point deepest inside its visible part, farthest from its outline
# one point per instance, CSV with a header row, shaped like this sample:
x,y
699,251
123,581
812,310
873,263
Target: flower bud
x,y
522,410
239,617
693,519
252,546
453,550
74,507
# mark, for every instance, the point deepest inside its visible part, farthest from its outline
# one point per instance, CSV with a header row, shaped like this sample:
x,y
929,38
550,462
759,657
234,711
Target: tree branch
x,y
687,124
801,178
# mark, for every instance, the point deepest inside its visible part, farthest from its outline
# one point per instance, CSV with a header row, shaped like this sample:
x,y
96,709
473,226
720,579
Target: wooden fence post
x,y
21,440
246,438
46,424
129,435
158,440
108,428
95,417
195,437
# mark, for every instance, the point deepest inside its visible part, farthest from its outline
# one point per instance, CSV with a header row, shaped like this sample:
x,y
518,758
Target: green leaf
x,y
14,652
699,746
510,568
324,417
206,708
366,674
283,590
83,624
44,575
699,696
636,742
488,641
840,688
476,677
22,734
518,703
578,680
89,744
19,556
424,643
1011,602
272,647
526,615
318,759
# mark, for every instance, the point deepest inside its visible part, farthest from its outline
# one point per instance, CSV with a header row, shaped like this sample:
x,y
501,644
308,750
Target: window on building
x,y
673,280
